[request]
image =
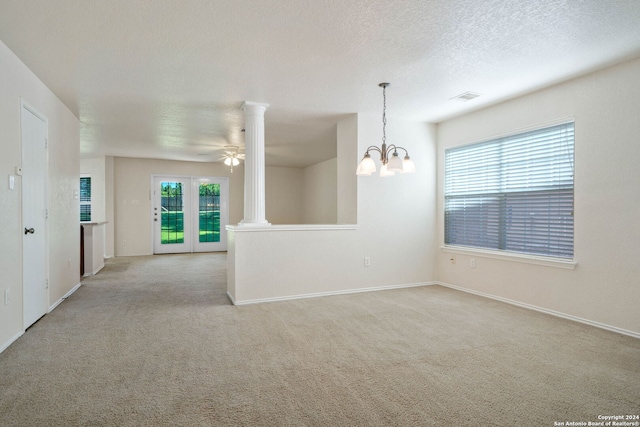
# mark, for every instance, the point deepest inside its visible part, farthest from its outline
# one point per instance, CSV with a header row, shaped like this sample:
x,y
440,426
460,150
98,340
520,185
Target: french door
x,y
189,214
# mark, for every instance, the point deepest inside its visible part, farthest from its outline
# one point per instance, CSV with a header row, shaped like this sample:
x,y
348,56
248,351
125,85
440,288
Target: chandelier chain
x,y
384,114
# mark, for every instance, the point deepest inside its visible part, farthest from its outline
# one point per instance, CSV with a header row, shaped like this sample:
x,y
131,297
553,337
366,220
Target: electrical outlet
x,y
124,243
7,298
367,261
472,262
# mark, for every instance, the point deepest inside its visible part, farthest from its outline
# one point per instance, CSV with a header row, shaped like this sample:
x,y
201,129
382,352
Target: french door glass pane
x,y
172,217
209,213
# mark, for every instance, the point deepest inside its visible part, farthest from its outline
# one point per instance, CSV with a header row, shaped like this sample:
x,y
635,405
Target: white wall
x,y
347,181
396,218
284,195
95,167
320,193
396,215
132,181
109,227
605,286
17,81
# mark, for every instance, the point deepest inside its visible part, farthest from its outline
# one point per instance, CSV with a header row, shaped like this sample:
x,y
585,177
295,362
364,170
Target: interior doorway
x,y
189,214
35,286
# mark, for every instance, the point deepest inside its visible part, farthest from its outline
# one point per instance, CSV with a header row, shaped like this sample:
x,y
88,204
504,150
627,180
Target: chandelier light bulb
x,y
395,164
407,165
384,171
367,166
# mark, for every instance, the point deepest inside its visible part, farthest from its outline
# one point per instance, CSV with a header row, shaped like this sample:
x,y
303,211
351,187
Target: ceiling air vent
x,y
467,96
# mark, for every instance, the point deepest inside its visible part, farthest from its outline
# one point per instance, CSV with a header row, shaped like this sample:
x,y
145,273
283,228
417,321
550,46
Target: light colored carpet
x,y
154,341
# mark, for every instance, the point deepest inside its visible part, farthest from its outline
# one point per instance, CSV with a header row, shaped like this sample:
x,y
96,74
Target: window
x,y
513,193
85,198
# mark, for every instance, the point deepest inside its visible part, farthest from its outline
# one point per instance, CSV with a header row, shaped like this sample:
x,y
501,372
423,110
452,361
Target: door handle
x,y
29,230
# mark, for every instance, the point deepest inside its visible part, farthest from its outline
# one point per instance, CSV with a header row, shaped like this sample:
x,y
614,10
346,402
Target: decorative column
x,y
254,169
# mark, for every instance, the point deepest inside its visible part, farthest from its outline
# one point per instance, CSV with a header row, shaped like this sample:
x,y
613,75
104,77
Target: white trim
x,y
11,341
512,256
233,301
329,293
293,227
96,271
545,310
67,295
32,110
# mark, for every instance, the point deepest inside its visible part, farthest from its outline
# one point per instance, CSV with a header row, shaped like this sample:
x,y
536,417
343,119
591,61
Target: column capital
x,y
254,106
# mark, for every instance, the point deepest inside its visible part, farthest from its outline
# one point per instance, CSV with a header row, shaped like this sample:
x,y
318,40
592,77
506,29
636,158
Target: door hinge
x,y
46,214
47,284
46,143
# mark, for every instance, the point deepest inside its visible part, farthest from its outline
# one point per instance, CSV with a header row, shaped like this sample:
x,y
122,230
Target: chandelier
x,y
391,162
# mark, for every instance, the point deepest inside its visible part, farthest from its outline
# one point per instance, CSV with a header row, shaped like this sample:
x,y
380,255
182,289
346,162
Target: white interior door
x,y
34,215
210,213
171,214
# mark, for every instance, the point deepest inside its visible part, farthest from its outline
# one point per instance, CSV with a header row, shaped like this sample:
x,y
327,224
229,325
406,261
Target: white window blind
x,y
513,193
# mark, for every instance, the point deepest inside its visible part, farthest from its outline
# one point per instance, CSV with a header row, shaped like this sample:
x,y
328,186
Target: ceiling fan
x,y
232,156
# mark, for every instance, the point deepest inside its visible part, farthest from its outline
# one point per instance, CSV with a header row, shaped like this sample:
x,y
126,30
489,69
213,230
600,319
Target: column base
x,y
253,224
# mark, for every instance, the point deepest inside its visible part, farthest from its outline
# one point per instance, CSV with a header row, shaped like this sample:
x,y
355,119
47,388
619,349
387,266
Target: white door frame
x,y
193,207
28,261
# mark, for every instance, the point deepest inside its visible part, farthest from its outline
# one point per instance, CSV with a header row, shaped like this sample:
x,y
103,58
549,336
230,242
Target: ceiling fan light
x,y
227,161
235,162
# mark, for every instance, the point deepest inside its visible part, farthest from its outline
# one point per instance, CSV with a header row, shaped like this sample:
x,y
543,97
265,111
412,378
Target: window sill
x,y
512,256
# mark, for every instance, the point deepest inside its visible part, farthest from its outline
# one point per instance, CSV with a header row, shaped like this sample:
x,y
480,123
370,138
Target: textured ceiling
x,y
165,78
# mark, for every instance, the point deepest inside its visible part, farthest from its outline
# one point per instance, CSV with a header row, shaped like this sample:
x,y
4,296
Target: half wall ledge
x,y
292,227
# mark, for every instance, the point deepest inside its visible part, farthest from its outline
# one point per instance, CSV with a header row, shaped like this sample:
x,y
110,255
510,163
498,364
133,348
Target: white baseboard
x,y
67,295
233,301
545,310
11,341
94,272
324,294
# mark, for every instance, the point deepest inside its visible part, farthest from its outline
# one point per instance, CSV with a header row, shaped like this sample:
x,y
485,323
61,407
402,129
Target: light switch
x,y
12,182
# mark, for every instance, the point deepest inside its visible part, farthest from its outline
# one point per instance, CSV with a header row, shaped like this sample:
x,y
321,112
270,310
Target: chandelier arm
x,y
395,147
373,148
